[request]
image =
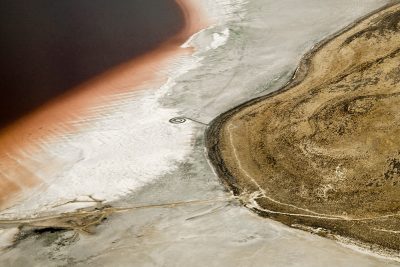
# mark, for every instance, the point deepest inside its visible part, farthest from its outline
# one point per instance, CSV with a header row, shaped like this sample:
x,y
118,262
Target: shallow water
x,y
258,54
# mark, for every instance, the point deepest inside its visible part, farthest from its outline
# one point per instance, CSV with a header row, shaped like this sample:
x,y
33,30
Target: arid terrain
x,y
323,153
123,177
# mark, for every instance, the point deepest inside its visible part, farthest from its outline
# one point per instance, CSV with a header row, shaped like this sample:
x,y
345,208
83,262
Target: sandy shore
x,y
21,141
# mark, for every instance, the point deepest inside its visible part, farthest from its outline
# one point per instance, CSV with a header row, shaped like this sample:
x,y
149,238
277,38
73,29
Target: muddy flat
x,y
323,153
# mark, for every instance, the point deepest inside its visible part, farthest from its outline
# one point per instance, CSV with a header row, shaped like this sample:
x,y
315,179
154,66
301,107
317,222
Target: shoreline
x,y
213,145
212,149
28,136
201,87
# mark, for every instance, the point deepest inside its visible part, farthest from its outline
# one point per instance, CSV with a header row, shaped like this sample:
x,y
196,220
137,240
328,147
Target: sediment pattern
x,y
325,155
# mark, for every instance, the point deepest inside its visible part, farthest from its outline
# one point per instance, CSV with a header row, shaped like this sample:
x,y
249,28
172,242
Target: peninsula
x,y
323,153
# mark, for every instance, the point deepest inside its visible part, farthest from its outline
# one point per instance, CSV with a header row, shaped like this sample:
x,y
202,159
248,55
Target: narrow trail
x,y
94,215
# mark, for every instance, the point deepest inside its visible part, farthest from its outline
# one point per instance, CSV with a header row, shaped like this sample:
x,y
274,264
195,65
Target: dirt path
x,y
325,154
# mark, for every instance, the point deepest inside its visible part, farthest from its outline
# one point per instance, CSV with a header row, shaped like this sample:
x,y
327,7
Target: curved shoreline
x,y
213,133
22,140
298,76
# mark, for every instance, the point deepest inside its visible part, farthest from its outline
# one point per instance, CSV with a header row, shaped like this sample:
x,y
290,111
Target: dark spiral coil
x,y
177,120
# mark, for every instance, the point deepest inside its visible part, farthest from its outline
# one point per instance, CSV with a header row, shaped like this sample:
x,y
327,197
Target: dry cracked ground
x,y
323,153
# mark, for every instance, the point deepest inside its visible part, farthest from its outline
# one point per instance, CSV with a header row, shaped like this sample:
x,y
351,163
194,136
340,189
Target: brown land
x,y
22,140
325,155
